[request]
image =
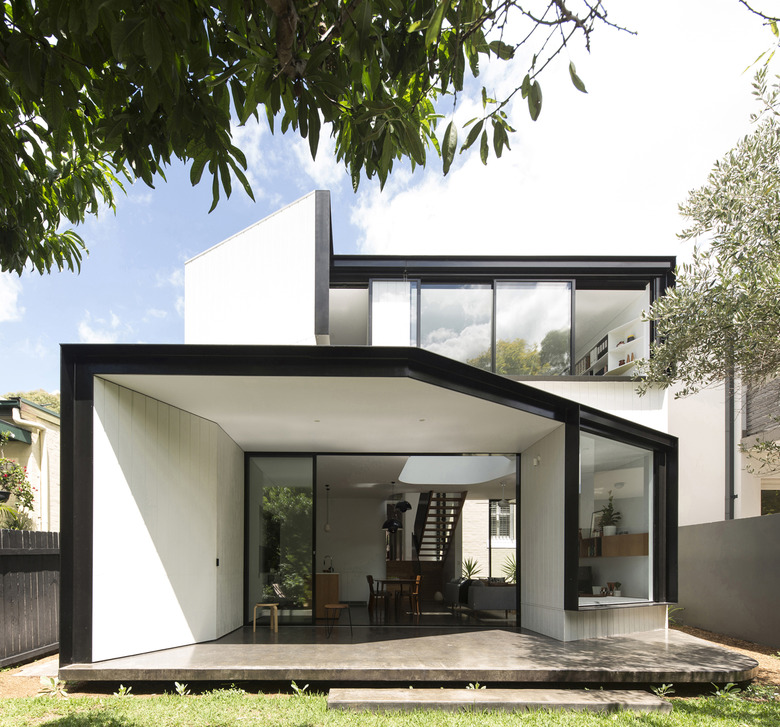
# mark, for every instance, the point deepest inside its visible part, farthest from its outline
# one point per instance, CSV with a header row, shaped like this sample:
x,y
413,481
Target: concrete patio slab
x,y
419,655
507,700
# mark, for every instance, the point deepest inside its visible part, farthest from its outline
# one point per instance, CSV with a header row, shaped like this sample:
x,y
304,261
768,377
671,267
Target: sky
x,y
600,173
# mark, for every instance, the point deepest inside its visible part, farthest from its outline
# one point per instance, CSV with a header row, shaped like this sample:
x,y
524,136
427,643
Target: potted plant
x,y
470,568
617,591
609,517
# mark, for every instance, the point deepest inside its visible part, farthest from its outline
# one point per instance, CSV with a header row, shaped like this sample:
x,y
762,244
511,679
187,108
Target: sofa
x,y
481,595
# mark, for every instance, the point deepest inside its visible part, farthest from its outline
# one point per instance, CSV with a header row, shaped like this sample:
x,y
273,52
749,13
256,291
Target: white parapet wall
x,y
168,505
258,286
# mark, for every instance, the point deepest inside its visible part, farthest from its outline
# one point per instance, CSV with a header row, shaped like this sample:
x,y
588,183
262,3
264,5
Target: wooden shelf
x,y
614,546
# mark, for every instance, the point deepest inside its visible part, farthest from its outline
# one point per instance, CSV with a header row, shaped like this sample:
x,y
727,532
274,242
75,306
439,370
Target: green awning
x,y
17,434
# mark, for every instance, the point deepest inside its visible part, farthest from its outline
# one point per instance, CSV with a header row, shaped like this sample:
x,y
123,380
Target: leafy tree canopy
x,y
723,316
38,396
97,92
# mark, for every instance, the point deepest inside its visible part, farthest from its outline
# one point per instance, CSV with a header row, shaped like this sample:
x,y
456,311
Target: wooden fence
x,y
29,595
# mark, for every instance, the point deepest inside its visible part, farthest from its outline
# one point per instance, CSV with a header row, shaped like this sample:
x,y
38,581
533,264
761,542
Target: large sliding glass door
x,y
279,520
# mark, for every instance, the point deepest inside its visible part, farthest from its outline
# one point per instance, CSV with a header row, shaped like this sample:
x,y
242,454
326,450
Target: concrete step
x,y
521,700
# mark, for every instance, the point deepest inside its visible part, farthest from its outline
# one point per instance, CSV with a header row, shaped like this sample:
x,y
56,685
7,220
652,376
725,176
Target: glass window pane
x,y
615,522
533,328
279,542
394,313
456,321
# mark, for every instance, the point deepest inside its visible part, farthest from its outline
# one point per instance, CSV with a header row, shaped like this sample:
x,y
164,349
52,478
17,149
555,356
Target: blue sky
x,y
600,173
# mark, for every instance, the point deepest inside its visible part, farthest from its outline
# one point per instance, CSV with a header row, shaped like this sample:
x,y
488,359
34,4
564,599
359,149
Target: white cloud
x,y
180,306
325,171
10,288
252,139
32,348
100,330
155,313
600,173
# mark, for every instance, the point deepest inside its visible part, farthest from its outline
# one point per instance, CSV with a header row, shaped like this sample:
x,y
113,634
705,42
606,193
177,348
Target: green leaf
x,y
525,89
503,50
535,100
434,29
575,79
472,137
449,145
153,44
314,130
483,147
773,26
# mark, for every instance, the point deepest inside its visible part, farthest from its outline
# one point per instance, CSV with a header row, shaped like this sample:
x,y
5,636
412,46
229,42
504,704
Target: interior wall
x,y
475,536
258,286
628,313
158,527
356,542
542,496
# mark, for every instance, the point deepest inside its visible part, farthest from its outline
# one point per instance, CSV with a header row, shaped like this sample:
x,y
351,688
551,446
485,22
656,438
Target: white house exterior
x,y
302,369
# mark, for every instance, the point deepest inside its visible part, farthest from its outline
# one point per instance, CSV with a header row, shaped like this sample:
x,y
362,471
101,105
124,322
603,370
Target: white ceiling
x,y
345,414
360,415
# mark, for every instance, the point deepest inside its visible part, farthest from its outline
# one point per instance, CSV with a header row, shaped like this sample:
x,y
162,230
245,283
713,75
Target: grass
x,y
229,707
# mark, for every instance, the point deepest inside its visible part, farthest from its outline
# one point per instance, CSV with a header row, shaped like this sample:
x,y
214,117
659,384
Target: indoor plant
x,y
609,517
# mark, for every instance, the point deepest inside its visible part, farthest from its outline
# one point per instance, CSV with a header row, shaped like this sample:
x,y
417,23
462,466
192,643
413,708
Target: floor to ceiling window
x,y
280,511
615,522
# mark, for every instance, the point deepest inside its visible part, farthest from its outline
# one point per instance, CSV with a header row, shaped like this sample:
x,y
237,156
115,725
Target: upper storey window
x,y
533,328
456,321
516,327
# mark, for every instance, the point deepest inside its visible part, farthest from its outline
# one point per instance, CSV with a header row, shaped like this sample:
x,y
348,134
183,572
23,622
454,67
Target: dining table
x,y
397,586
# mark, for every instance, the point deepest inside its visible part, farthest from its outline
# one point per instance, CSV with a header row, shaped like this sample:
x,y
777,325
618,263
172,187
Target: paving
x,y
510,700
409,655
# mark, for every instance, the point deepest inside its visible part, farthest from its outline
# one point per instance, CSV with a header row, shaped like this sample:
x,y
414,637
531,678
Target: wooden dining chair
x,y
414,596
374,595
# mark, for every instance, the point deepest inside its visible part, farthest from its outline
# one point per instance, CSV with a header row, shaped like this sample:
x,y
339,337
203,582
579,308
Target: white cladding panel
x,y
230,534
616,397
258,286
542,496
155,525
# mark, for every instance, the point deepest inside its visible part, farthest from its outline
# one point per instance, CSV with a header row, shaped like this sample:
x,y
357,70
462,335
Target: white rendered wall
x,y
258,286
699,422
168,498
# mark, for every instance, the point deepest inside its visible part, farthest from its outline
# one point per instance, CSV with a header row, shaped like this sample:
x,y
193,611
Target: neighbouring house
x,y
336,416
34,443
761,422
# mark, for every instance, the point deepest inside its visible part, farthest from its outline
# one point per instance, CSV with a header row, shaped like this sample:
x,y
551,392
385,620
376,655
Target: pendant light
x,y
394,524
327,508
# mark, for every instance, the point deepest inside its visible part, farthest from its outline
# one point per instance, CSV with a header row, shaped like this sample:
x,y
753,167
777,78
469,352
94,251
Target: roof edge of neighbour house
x,y
273,214
87,360
21,433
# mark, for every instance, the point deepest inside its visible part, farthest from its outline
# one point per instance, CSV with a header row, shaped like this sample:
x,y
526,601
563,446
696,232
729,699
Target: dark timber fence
x,y
29,595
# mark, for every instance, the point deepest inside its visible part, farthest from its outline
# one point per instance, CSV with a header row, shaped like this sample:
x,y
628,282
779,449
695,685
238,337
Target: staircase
x,y
437,517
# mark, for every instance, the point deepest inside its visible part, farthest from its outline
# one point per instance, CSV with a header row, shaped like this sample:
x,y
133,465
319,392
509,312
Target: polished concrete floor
x,y
428,654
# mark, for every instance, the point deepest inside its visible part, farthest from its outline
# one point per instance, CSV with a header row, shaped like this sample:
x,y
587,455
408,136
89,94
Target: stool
x,y
273,612
336,609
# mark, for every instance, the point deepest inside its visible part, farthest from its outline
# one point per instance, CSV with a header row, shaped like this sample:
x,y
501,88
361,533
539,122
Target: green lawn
x,y
232,708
